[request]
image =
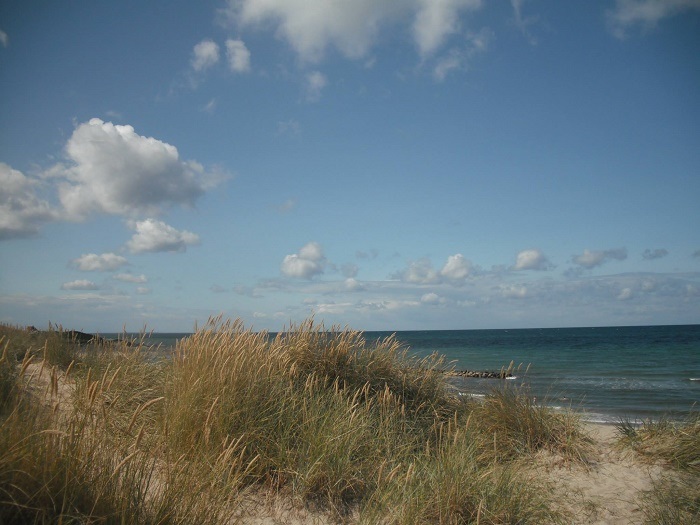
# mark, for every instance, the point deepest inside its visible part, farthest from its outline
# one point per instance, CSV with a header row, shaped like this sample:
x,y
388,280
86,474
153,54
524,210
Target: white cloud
x,y
312,26
590,259
305,264
131,278
106,262
644,13
115,170
436,19
625,294
81,284
315,82
238,56
523,23
22,212
532,259
657,253
457,268
420,272
430,298
156,236
458,59
143,290
4,39
513,291
204,55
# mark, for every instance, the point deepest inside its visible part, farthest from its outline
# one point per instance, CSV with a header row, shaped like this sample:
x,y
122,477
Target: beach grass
x,y
359,430
674,499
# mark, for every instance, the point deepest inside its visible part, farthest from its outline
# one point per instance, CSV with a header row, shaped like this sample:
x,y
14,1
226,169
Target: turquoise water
x,y
610,373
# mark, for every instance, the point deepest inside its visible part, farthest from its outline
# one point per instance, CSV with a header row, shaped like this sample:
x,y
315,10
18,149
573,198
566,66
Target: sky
x,y
377,164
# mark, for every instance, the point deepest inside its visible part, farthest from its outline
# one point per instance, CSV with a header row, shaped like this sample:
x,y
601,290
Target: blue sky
x,y
382,164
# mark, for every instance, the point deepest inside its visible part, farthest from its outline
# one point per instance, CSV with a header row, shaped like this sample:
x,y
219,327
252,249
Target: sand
x,y
607,490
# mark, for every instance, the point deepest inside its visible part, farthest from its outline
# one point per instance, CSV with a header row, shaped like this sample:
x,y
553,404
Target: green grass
x,y
360,430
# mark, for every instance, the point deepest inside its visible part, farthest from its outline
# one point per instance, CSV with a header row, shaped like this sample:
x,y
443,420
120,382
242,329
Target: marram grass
x,y
675,499
357,429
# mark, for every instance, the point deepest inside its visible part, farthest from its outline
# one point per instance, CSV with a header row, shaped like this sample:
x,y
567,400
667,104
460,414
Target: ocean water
x,y
608,373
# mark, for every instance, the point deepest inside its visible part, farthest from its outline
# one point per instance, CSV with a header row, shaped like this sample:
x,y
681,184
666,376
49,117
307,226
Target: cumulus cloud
x,y
156,236
419,272
105,262
131,278
590,259
315,82
238,56
353,285
305,264
430,298
312,26
204,55
658,253
22,212
115,170
532,259
456,268
81,284
646,14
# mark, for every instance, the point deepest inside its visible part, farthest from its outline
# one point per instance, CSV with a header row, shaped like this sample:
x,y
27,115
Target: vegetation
x,y
360,430
675,499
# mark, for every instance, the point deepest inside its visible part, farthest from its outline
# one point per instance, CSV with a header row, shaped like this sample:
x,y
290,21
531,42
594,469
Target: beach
x,y
308,427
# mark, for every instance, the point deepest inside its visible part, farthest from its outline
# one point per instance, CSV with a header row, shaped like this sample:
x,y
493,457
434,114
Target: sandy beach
x,y
606,491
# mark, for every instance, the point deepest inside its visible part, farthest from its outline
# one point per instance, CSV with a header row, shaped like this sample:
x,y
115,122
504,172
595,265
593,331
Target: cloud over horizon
x,y
590,259
80,284
532,259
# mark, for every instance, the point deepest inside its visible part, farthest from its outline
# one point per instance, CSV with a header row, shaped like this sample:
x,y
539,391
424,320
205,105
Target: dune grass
x,y
359,430
675,499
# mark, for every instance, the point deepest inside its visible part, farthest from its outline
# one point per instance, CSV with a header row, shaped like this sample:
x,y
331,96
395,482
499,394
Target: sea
x,y
608,374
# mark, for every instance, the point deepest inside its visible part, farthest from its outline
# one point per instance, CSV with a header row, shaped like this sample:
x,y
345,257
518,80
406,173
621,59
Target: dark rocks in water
x,y
503,374
76,336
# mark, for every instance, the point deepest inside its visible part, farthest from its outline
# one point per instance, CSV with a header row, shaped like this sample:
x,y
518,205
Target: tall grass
x,y
361,430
